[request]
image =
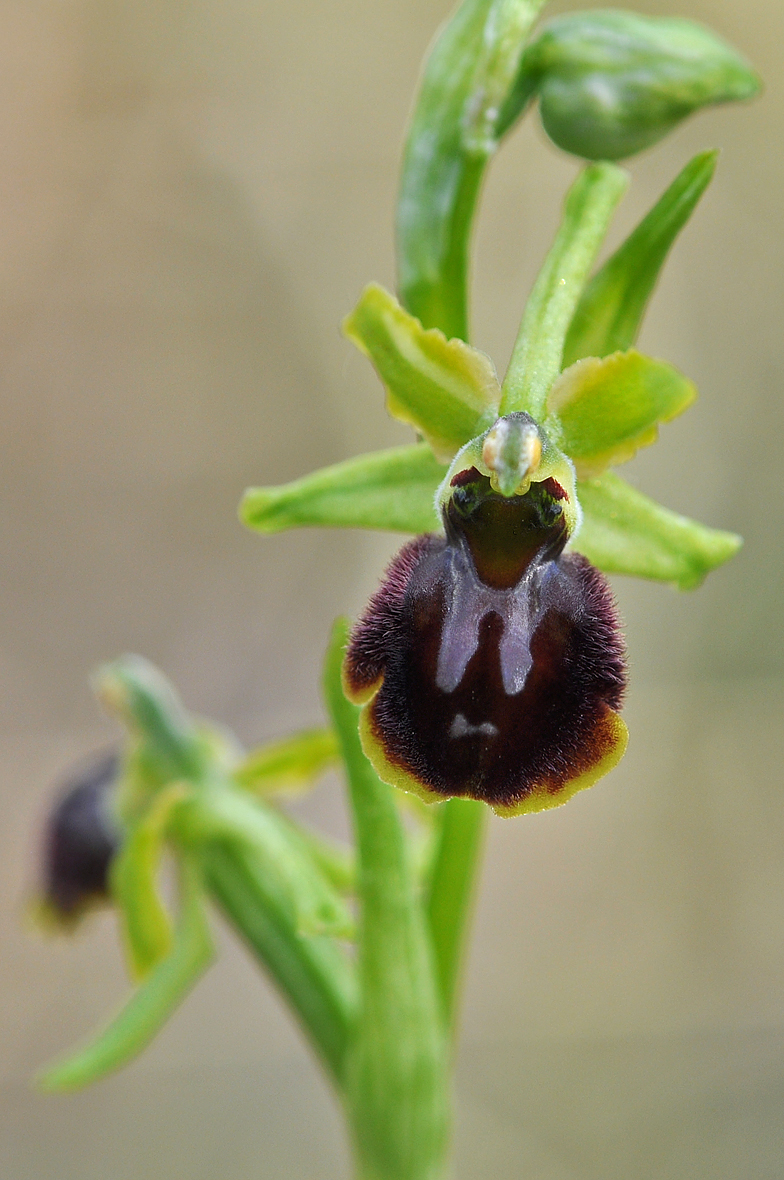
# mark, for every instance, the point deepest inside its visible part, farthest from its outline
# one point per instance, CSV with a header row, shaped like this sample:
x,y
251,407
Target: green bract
x,y
609,314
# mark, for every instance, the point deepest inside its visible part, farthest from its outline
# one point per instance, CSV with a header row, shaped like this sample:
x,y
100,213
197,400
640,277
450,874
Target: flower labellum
x,y
81,840
490,664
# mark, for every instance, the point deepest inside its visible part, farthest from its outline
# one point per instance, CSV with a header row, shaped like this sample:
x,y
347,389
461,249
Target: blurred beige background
x,y
191,196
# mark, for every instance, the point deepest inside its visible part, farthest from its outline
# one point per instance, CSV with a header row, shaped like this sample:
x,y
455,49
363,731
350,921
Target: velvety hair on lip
x,y
490,663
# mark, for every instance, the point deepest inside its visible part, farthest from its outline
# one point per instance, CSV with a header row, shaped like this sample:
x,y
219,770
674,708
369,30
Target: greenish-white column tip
x,y
511,451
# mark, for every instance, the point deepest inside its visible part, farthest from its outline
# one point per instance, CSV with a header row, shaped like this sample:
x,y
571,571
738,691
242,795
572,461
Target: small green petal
x,y
151,1004
612,306
289,764
625,532
445,389
607,409
134,881
392,489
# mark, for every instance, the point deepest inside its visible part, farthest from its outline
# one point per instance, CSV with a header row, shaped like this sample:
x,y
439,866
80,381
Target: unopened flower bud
x,y
612,83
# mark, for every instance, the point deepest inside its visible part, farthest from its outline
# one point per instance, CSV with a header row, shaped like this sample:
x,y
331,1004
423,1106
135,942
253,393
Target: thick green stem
x,y
397,1076
451,893
312,973
536,359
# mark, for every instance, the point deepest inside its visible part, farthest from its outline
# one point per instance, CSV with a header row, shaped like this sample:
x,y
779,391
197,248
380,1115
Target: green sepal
x,y
289,764
391,489
612,83
151,1004
144,918
625,532
603,410
133,690
537,355
222,814
445,389
452,135
612,306
450,890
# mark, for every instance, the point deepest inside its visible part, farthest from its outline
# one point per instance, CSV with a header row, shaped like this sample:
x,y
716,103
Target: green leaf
x,y
445,389
226,815
612,83
607,409
625,532
288,764
145,921
453,134
392,489
151,1004
610,312
536,359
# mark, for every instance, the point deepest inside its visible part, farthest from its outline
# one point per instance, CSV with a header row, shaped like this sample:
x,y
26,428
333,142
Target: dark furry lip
x,y
491,663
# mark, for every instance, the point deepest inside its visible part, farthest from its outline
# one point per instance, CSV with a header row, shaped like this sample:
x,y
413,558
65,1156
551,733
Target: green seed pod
x,y
612,83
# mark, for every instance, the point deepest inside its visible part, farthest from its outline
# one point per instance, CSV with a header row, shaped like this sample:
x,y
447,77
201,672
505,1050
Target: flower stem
x,y
397,1073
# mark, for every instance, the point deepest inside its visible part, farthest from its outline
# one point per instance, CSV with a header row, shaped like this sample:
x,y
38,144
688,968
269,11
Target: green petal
x,y
612,307
151,1004
291,763
392,489
445,389
625,532
607,409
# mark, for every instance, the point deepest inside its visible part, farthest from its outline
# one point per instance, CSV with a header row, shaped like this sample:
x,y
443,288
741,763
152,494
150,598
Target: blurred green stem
x,y
452,888
311,972
397,1076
